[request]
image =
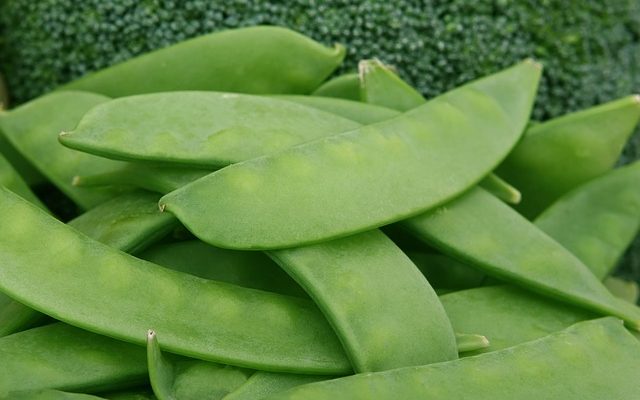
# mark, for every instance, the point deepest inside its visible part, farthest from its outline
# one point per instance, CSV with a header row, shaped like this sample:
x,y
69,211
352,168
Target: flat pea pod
x,y
128,222
516,251
623,289
381,86
244,268
591,360
199,129
10,179
49,394
258,60
560,154
438,150
597,220
262,384
344,86
188,379
199,318
33,129
354,110
59,356
508,315
155,178
384,311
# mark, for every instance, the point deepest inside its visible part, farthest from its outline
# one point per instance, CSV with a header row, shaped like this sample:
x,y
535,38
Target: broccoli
x,y
590,48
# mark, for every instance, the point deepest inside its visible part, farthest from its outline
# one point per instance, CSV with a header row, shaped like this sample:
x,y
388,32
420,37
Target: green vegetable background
x,y
590,48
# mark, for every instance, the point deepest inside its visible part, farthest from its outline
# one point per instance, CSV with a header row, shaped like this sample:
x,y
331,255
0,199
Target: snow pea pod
x,y
597,220
400,323
259,60
438,150
262,384
59,356
514,250
49,394
33,129
560,154
444,272
199,318
10,179
343,87
199,129
188,379
591,360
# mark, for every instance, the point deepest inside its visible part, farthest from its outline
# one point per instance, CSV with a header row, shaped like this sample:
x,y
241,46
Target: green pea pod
x,y
623,289
156,178
199,318
187,379
342,87
33,129
591,360
509,315
400,322
365,178
482,231
10,179
444,272
128,222
258,60
560,154
60,356
199,129
381,86
49,394
354,110
597,220
244,268
262,384
140,394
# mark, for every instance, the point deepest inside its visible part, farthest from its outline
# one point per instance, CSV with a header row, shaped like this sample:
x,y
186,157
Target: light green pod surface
x,y
33,129
59,356
380,85
354,110
188,379
444,272
346,86
623,289
129,222
48,394
591,360
10,179
262,384
250,269
384,311
259,60
560,154
362,179
508,315
156,178
199,129
482,231
71,277
597,220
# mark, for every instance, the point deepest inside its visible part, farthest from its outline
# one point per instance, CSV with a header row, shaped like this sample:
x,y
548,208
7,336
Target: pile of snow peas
x,y
250,228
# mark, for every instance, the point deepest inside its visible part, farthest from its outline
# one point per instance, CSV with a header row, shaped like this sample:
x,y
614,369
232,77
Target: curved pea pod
x,y
10,179
597,220
244,268
199,129
33,129
623,289
344,86
15,317
156,178
49,394
485,233
365,178
560,154
508,315
381,86
59,356
384,311
444,272
188,379
591,360
354,110
198,318
258,60
262,384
